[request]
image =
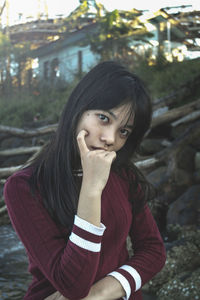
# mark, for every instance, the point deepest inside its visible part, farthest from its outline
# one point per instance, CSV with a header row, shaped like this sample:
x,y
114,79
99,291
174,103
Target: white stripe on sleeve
x,y
81,223
124,282
134,274
82,243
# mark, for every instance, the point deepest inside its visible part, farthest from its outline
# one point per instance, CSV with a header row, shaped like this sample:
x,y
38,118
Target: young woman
x,y
74,206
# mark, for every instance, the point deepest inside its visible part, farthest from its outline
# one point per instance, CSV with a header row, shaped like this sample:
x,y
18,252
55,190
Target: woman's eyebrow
x,y
115,117
128,126
112,114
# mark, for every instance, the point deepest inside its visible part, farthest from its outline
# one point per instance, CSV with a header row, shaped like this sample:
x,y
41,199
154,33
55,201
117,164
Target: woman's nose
x,y
108,137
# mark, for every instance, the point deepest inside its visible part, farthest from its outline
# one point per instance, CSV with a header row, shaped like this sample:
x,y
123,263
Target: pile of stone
x,y
176,146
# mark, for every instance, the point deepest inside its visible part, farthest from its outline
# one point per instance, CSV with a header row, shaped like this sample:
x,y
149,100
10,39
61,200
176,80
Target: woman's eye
x,y
124,132
103,118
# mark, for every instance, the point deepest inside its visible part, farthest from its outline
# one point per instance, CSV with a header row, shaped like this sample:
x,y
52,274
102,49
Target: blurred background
x,y
46,47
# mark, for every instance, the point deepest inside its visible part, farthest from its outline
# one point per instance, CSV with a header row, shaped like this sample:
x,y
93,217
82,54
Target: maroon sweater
x,y
71,262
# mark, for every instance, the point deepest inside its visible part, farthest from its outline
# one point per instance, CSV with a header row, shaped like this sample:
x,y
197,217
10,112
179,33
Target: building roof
x,y
75,37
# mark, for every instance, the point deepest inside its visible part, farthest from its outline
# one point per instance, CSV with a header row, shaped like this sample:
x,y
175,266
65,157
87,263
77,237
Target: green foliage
x,y
117,30
161,61
162,81
22,51
87,11
13,63
5,46
94,4
19,52
21,109
75,19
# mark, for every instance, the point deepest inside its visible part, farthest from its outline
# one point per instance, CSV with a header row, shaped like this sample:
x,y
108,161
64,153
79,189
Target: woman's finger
x,y
111,155
81,141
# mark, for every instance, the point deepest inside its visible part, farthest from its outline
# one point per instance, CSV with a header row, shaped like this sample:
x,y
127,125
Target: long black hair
x,y
104,87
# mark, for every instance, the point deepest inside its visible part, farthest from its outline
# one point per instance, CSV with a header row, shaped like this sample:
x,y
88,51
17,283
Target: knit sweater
x,y
71,262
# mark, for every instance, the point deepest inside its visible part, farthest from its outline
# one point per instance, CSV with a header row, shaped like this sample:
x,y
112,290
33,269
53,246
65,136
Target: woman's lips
x,y
97,148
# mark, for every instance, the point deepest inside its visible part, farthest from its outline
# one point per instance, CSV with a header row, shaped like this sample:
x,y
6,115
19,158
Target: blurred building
x,y
61,55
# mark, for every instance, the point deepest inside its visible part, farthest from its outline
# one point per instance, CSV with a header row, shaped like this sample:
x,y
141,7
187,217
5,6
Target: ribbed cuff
x,y
128,277
86,235
124,282
134,273
88,226
77,240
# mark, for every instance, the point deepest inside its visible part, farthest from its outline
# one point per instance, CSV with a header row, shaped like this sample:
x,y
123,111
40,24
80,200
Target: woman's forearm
x,y
107,288
89,206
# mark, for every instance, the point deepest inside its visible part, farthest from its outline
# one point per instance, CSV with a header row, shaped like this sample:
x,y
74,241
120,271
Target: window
x,y
46,70
55,69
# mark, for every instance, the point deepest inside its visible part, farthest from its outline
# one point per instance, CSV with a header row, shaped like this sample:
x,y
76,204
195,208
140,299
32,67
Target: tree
x,y
14,62
21,53
88,11
77,19
5,56
116,33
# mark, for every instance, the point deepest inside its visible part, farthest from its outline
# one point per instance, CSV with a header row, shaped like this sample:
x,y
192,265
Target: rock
x,y
14,275
177,131
182,286
186,159
161,131
197,161
185,210
180,277
197,168
182,178
171,186
151,146
196,176
155,176
4,219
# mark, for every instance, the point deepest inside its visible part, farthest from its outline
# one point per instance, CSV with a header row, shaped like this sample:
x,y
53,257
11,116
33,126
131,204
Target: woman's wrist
x,y
91,188
107,288
89,207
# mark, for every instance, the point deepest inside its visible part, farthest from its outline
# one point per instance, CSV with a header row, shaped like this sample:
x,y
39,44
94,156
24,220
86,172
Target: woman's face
x,y
107,130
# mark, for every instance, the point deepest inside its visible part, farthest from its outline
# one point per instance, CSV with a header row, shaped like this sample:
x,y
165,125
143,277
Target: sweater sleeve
x,y
69,263
149,254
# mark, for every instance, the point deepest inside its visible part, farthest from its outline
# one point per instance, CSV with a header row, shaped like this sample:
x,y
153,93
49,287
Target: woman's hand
x,y
96,169
96,164
56,296
107,288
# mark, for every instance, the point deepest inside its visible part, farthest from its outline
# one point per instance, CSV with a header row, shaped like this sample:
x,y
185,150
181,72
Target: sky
x,y
30,8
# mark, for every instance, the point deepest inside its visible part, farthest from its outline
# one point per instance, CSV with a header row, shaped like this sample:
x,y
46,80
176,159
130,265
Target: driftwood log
x,y
176,113
27,133
19,151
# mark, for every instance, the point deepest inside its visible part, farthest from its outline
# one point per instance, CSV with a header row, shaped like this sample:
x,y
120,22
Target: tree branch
x,y
19,151
175,113
27,133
